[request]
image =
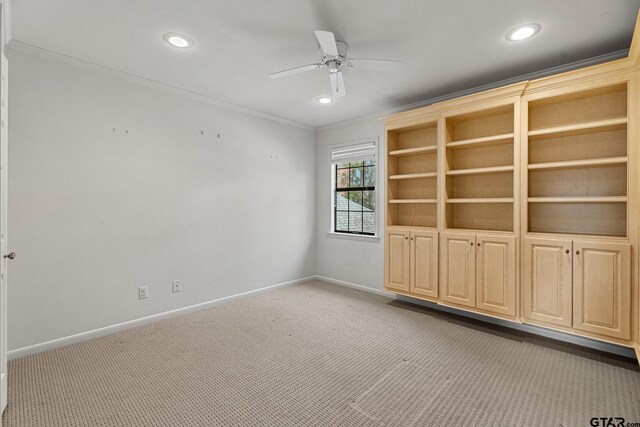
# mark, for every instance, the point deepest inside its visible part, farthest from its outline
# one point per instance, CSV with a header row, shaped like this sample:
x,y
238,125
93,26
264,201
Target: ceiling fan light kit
x,y
334,58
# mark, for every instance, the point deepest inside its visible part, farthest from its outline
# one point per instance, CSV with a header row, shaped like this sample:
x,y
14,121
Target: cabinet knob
x,y
567,251
407,237
478,244
471,243
577,252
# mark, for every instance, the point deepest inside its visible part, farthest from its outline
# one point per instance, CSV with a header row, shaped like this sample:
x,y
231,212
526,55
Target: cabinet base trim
x,y
536,330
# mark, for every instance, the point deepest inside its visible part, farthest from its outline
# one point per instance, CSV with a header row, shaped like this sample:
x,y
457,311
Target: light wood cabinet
x,y
480,272
412,262
496,274
580,284
547,289
459,269
397,260
601,288
424,263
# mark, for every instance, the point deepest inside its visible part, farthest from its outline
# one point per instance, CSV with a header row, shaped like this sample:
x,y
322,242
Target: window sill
x,y
347,236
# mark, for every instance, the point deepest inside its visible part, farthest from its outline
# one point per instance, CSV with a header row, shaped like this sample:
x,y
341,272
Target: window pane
x,y
342,221
369,222
355,221
342,165
342,201
342,180
369,200
369,176
356,200
356,164
356,177
369,162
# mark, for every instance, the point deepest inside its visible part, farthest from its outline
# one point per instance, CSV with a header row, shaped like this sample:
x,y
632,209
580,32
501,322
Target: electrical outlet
x,y
176,286
143,292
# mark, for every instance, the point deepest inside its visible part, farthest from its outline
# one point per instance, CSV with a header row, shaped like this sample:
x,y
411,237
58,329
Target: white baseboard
x,y
82,336
356,286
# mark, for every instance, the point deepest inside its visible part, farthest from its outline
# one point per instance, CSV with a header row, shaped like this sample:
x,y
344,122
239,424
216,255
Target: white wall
x,y
93,213
357,260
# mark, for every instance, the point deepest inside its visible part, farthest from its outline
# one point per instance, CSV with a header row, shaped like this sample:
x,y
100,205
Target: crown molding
x,y
25,48
28,49
6,19
608,57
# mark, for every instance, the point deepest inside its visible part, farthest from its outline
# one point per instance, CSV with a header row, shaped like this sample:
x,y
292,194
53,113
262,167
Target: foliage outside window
x,y
355,197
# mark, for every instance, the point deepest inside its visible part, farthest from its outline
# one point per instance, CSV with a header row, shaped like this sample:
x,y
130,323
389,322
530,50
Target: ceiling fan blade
x,y
296,70
337,85
375,64
327,42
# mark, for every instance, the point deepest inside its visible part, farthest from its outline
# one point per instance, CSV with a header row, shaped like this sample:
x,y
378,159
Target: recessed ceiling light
x,y
178,40
324,100
523,32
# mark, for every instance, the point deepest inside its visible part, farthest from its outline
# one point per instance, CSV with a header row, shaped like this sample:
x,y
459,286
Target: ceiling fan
x,y
334,57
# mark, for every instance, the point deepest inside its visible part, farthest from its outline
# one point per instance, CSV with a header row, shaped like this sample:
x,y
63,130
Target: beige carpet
x,y
320,355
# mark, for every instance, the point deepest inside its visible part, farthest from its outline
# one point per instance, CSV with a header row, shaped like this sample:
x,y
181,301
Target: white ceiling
x,y
445,45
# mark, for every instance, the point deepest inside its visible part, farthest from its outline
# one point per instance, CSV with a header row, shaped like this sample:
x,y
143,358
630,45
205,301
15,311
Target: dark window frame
x,y
362,189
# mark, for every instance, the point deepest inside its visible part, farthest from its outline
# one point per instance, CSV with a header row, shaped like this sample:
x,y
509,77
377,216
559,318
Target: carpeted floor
x,y
320,355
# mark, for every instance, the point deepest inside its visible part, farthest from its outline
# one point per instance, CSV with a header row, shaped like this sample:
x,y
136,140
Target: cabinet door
x,y
547,281
602,288
496,274
459,269
397,260
424,263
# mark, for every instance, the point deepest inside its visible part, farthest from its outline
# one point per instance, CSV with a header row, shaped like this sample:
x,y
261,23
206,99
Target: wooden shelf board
x,y
411,227
414,175
478,171
481,142
483,200
587,199
606,161
579,128
414,151
413,201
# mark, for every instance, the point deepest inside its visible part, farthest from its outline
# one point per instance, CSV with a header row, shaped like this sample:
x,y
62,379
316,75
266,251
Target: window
x,y
354,189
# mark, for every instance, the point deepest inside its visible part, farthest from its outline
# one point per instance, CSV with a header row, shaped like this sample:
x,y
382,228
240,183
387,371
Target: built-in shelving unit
x,y
412,175
521,202
577,162
479,169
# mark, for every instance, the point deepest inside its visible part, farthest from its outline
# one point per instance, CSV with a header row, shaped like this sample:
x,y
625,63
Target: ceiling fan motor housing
x,y
335,62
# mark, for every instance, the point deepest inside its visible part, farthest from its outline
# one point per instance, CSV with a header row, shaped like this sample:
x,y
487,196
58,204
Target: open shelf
x,y
579,128
480,155
578,160
413,201
485,141
589,199
591,219
579,163
414,175
413,151
479,216
412,215
483,200
479,171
